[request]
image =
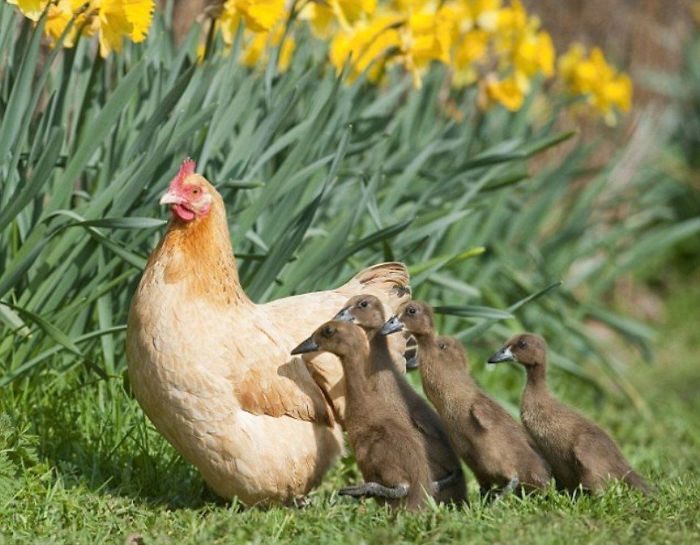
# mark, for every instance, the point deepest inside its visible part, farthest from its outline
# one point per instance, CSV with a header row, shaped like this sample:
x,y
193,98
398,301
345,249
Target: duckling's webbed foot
x,y
447,482
375,490
300,502
512,485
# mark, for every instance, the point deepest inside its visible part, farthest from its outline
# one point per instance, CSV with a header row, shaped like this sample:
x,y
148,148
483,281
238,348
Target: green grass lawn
x,y
78,464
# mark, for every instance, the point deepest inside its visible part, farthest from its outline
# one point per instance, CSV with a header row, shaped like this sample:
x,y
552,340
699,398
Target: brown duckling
x,y
389,452
579,452
386,378
494,446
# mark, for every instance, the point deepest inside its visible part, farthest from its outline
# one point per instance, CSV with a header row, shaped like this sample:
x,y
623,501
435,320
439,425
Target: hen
x,y
212,370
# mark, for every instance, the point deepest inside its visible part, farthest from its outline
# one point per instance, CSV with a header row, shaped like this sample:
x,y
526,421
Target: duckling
x,y
386,378
388,451
494,446
579,452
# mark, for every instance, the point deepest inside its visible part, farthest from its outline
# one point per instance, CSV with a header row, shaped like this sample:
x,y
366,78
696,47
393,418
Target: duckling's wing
x,y
598,457
429,424
481,416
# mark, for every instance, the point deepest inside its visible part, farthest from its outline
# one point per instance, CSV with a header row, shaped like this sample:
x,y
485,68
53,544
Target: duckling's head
x,y
452,352
339,338
416,317
526,349
364,310
189,195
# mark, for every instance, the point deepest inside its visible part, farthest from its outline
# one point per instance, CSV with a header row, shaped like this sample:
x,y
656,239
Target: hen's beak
x,y
309,345
344,315
171,198
391,326
504,354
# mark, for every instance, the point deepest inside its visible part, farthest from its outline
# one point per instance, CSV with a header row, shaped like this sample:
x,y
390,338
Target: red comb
x,y
186,168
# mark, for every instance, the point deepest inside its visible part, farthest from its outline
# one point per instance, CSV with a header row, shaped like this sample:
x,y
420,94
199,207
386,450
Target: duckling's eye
x,y
328,331
364,304
442,346
522,344
411,311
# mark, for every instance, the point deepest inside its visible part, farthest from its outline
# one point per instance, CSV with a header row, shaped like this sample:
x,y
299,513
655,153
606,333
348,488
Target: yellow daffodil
x,y
594,78
407,6
425,37
325,16
260,15
485,13
569,60
229,21
353,10
533,54
31,9
111,20
58,17
508,92
321,19
365,43
470,49
259,44
257,16
512,19
117,19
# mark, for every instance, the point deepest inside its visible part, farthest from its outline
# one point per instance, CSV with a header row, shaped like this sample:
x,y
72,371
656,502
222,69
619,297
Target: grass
x,y
76,469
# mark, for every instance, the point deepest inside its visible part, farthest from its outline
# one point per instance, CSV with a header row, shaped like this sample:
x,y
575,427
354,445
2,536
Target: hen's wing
x,y
390,282
266,378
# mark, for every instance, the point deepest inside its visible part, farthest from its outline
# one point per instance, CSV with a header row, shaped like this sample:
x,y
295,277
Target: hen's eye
x,y
195,191
363,304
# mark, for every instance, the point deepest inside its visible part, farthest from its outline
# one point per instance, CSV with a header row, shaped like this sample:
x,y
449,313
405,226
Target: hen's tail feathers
x,y
390,281
634,480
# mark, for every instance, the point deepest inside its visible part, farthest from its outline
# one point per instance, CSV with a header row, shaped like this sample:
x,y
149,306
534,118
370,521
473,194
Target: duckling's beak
x,y
344,315
391,326
504,354
309,345
412,363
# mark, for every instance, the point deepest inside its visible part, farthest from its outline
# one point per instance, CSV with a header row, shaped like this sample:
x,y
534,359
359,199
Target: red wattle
x,y
185,214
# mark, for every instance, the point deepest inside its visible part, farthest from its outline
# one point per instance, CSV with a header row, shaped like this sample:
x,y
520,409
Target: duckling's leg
x,y
300,502
447,482
375,490
488,493
510,487
399,491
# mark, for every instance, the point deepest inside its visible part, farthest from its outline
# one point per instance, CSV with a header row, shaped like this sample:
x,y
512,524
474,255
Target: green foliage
x,y
681,165
320,180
